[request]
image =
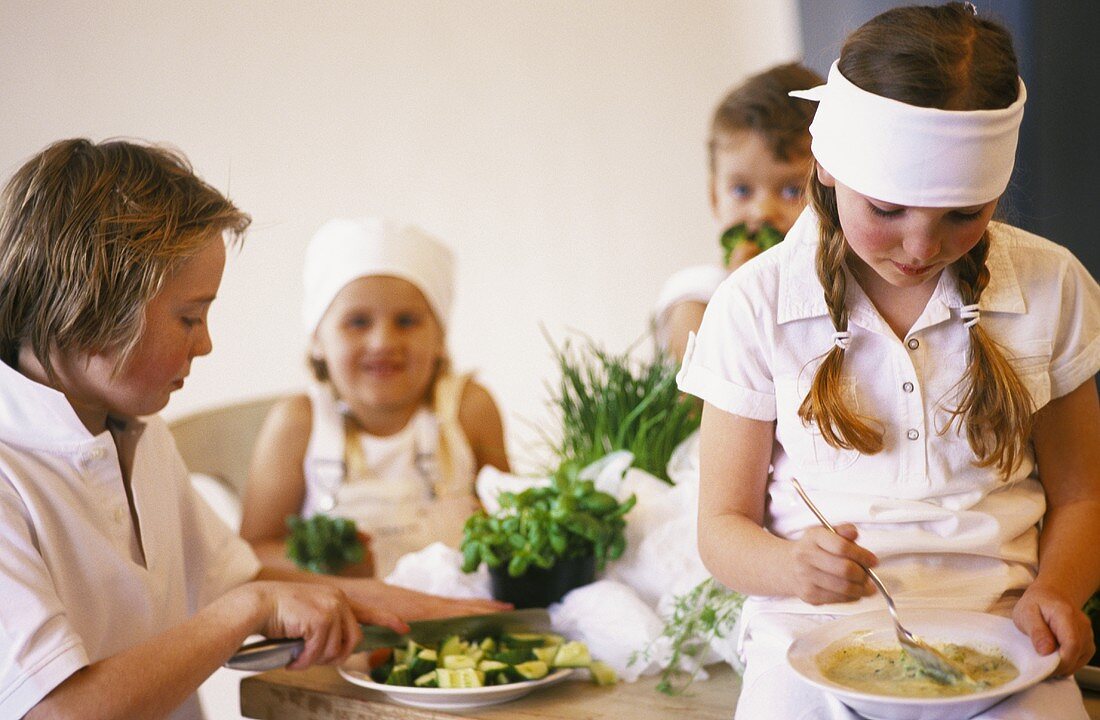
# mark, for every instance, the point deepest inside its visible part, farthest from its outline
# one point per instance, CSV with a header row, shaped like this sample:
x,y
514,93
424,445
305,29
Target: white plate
x,y
453,699
978,630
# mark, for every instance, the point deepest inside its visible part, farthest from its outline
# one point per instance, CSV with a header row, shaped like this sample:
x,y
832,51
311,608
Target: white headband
x,y
344,250
910,155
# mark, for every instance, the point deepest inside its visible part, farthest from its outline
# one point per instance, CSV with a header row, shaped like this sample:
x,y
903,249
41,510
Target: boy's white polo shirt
x,y
74,584
948,533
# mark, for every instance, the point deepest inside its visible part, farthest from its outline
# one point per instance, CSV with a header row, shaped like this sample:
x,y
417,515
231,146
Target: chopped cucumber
x,y
464,678
572,655
602,673
488,666
399,675
546,654
451,646
524,640
458,662
428,655
426,680
533,670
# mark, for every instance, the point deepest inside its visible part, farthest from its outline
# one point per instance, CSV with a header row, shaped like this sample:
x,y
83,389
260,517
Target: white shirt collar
x,y
35,415
801,297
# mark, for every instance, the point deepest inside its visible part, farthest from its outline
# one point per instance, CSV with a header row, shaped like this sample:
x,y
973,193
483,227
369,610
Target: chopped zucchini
x,y
464,678
546,654
602,673
458,662
489,645
533,670
488,666
426,680
572,655
513,657
524,640
399,675
428,655
451,646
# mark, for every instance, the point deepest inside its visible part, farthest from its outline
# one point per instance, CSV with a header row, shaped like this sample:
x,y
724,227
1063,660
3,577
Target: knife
x,y
269,654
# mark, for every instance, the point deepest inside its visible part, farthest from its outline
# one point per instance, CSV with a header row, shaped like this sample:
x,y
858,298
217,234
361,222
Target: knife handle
x,y
268,654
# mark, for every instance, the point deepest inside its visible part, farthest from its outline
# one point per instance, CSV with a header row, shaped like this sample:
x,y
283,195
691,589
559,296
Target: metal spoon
x,y
933,663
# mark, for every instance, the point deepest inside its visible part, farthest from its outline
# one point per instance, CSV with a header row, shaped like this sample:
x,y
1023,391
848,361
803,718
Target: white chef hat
x,y
344,250
910,155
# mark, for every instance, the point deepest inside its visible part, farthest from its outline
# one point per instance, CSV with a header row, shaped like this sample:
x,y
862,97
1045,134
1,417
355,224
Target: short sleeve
x,y
38,647
726,364
1076,351
693,284
224,560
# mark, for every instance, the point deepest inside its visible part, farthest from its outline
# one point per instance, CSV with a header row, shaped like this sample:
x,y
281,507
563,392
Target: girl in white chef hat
x,y
387,436
925,374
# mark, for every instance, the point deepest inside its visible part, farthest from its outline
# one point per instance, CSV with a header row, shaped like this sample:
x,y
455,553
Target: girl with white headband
x,y
386,436
925,374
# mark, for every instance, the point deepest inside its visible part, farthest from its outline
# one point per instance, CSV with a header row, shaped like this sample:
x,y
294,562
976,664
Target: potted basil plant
x,y
545,541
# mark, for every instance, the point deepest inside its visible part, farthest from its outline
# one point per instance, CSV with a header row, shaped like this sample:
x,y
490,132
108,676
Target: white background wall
x,y
557,145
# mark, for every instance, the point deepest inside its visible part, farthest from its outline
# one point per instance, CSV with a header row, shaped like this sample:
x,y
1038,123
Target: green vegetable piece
x,y
532,670
572,655
546,654
426,680
488,666
399,675
322,544
602,673
451,646
524,640
458,662
464,678
766,237
513,656
428,654
488,644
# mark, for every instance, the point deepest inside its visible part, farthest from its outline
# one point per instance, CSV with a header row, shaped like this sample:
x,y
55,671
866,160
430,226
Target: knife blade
x,y
269,654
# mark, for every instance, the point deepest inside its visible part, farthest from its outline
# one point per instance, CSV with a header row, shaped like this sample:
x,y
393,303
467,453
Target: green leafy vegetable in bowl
x,y
323,544
480,662
541,525
766,237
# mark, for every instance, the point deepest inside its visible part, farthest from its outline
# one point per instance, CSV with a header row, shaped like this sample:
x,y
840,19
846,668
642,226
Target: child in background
x,y
387,436
924,373
121,589
759,151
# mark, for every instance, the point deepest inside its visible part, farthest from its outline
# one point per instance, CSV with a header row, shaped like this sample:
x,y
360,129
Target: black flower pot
x,y
538,587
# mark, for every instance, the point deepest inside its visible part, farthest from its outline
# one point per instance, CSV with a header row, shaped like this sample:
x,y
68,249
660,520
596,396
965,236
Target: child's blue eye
x,y
740,191
791,192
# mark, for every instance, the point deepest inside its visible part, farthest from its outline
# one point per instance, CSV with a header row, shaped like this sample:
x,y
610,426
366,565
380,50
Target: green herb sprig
x,y
537,527
705,613
612,402
323,544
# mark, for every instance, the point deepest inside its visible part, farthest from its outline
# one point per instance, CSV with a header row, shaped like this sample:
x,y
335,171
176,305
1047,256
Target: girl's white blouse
x,y
948,533
75,585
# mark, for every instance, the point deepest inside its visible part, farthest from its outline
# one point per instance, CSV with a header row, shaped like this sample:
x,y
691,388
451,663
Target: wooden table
x,y
321,694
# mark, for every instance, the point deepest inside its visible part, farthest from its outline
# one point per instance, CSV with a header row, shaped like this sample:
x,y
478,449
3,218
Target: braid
x,y
824,406
995,407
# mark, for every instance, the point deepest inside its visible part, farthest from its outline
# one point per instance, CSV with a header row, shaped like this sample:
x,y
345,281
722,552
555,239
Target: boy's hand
x,y
825,566
1053,622
322,616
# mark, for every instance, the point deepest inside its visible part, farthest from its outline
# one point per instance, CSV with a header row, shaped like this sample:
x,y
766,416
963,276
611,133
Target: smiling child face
x,y
381,344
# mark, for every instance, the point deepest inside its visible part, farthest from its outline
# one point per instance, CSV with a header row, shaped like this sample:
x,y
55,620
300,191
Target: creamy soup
x,y
881,670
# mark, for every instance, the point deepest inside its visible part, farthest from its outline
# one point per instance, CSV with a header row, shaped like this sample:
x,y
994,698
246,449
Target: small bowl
x,y
978,630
